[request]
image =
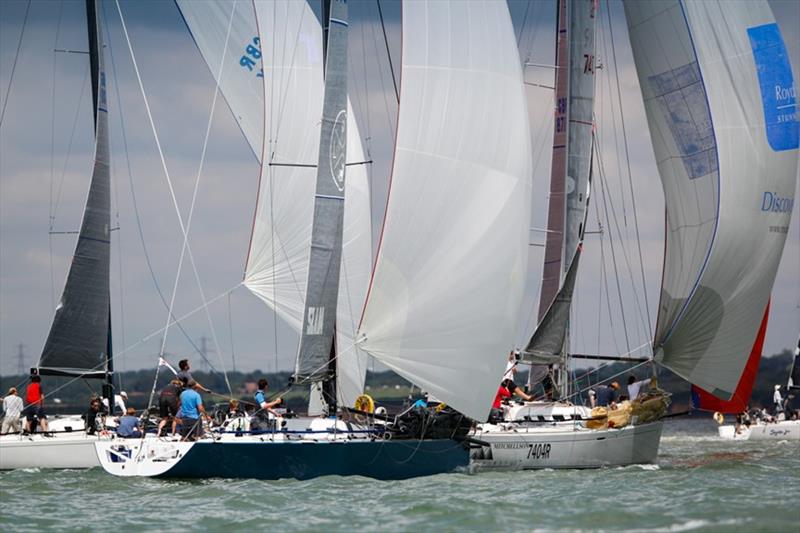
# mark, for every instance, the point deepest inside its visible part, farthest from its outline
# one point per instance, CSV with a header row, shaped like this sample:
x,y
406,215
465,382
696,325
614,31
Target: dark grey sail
x,y
793,384
78,343
316,351
547,343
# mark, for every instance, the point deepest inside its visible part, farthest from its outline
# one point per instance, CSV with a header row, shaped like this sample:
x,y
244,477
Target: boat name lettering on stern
x,y
536,450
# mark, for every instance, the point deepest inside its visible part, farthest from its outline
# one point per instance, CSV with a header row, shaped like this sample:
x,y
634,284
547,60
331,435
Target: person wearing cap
x,y
12,409
606,395
119,402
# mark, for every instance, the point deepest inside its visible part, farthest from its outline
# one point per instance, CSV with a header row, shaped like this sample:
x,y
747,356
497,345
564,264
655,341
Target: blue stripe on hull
x,y
386,460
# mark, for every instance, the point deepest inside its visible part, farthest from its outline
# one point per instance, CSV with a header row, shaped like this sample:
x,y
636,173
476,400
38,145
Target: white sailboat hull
x,y
784,430
68,450
564,445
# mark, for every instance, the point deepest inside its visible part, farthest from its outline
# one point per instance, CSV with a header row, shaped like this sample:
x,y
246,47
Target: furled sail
x,y
277,264
322,289
225,32
569,179
450,271
77,344
720,101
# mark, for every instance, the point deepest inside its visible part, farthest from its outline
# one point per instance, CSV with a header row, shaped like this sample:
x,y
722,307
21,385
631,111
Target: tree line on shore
x,y
69,394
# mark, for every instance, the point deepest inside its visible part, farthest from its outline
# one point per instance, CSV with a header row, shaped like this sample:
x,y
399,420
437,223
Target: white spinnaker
x,y
291,54
449,276
725,148
239,80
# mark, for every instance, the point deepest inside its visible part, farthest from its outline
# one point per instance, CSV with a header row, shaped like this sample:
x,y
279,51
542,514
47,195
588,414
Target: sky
x,y
45,163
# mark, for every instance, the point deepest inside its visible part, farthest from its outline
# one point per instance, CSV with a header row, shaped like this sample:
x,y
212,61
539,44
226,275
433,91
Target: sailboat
x,y
725,136
782,428
446,285
79,343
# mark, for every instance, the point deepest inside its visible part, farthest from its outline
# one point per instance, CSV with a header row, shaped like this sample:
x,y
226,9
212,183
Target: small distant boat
x,y
79,344
764,430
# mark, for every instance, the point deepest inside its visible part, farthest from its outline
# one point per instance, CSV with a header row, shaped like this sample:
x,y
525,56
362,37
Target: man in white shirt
x,y
634,387
12,407
119,402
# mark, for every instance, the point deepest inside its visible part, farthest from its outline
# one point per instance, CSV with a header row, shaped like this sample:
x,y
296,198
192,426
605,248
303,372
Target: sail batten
x,y
78,340
449,276
726,149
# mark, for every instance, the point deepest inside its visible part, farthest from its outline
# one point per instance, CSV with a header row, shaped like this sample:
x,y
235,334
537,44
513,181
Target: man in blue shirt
x,y
606,394
191,408
128,427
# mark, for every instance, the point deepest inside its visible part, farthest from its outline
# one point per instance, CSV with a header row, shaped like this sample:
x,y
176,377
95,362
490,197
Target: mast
x,y
316,359
570,180
94,66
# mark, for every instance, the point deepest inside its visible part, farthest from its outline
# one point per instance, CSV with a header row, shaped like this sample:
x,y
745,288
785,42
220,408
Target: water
x,y
700,484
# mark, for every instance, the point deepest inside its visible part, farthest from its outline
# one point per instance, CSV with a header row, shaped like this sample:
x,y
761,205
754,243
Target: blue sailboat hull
x,y
384,460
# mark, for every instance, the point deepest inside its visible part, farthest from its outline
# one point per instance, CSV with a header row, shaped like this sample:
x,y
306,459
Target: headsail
x,y
77,344
719,97
449,275
277,264
569,179
706,401
228,28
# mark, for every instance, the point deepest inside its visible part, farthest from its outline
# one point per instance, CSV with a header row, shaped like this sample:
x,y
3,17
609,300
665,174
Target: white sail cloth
x,y
287,108
449,276
719,97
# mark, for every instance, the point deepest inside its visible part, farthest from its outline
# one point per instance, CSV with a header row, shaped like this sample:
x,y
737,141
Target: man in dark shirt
x,y
185,375
91,416
168,402
606,394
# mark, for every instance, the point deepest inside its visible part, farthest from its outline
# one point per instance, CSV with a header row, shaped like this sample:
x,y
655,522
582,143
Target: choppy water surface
x,y
700,484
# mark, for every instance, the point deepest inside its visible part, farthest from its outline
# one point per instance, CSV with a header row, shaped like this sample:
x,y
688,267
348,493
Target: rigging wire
x,y
119,233
630,178
388,54
53,158
169,183
14,64
136,213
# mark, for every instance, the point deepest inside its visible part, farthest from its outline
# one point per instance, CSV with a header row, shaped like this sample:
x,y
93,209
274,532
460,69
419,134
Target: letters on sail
x,y
724,137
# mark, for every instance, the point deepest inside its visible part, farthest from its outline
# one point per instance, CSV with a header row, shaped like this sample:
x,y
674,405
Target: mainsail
x,y
720,101
317,348
79,338
569,180
449,276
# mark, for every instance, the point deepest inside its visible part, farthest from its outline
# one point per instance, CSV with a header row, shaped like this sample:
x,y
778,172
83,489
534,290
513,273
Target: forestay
x,y
449,276
78,340
719,97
